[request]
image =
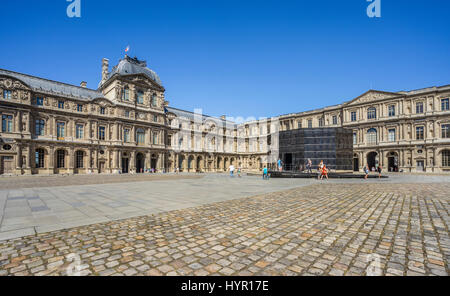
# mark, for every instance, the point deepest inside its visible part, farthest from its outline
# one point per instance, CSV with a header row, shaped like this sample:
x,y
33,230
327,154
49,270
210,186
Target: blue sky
x,y
239,58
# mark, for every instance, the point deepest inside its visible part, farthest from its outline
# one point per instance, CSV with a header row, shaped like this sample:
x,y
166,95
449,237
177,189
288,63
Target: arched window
x,y
60,157
140,136
372,136
40,154
154,101
446,158
126,94
372,113
79,157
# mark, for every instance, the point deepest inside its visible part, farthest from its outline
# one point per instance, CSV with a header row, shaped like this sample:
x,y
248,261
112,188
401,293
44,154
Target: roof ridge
x,y
49,80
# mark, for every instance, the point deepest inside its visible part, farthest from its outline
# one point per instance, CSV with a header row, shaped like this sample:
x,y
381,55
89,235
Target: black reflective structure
x,y
332,145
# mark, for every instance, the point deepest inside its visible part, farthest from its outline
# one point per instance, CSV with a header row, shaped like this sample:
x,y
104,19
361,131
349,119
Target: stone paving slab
x,y
331,229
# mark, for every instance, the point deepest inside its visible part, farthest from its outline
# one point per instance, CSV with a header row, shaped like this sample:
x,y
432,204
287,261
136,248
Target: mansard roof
x,y
133,66
191,115
53,87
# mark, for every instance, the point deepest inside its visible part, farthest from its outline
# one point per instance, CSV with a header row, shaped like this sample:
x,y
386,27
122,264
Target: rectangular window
x,y
445,131
155,118
419,108
355,139
127,113
7,123
310,123
140,97
299,124
155,138
60,104
7,94
445,104
39,101
372,113
80,131
420,133
126,135
391,110
40,127
80,108
102,110
391,135
101,133
60,130
335,121
321,122
353,116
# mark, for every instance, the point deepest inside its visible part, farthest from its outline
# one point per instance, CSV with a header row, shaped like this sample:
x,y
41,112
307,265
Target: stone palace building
x,y
127,126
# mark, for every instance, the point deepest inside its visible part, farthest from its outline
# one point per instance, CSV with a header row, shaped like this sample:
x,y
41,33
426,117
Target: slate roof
x,y
190,115
58,88
133,66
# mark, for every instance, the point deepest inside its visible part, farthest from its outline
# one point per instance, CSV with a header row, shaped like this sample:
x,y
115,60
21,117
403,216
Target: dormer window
x,y
140,97
7,94
126,94
39,101
61,104
102,110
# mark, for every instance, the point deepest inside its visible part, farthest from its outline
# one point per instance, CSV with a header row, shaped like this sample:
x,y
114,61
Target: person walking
x,y
320,167
309,166
366,171
239,172
280,165
380,169
324,172
265,173
231,170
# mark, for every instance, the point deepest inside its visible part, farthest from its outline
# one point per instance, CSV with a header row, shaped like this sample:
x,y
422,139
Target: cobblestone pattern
x,y
329,229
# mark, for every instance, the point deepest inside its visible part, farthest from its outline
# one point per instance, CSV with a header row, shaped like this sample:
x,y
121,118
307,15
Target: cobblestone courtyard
x,y
320,229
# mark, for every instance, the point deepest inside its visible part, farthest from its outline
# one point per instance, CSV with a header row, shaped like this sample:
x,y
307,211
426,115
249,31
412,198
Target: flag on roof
x,y
127,49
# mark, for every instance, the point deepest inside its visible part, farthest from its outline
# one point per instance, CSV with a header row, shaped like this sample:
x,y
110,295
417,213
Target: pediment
x,y
103,102
372,96
143,80
12,83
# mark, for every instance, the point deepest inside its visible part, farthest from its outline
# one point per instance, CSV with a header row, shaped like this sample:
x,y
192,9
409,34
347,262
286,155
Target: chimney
x,y
105,69
83,84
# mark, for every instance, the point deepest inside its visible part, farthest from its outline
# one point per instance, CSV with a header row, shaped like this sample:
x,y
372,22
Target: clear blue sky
x,y
240,58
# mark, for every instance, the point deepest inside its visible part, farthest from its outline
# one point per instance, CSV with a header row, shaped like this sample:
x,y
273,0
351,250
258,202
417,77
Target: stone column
x,y
51,160
89,166
132,164
71,165
19,160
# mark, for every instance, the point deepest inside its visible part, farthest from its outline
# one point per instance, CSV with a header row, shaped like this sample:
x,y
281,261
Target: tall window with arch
x,y
446,158
372,136
60,159
40,154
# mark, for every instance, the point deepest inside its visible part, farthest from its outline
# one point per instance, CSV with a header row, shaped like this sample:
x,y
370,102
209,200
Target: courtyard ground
x,y
216,225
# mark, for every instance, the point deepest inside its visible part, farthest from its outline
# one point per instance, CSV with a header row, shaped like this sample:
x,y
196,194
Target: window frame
x,y
140,97
394,138
101,133
445,131
353,116
79,132
391,110
39,127
445,102
60,104
39,158
371,113
7,94
445,155
421,109
7,123
372,134
420,130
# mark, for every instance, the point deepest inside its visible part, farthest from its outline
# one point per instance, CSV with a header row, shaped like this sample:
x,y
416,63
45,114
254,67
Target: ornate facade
x,y
127,126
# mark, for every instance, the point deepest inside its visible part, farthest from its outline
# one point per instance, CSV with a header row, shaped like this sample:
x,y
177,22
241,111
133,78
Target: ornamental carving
x,y
371,97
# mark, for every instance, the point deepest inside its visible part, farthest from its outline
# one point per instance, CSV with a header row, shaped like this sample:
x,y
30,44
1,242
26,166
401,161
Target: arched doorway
x,y
392,162
355,163
219,164
140,163
372,160
190,163
181,160
154,162
125,163
199,164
